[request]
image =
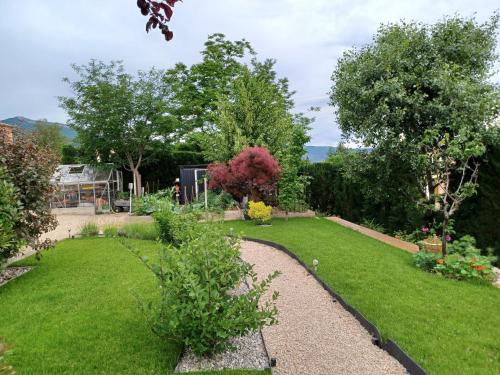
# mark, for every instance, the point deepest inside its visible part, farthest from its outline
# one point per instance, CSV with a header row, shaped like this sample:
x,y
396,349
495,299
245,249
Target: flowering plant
x,y
259,212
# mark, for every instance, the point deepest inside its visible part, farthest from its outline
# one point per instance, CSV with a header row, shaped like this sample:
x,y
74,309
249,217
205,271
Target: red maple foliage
x,y
159,12
254,172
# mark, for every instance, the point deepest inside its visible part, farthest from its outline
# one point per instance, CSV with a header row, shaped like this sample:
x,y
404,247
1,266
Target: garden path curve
x,y
314,335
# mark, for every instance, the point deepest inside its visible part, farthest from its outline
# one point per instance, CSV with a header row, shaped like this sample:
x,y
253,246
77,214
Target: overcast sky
x,y
39,39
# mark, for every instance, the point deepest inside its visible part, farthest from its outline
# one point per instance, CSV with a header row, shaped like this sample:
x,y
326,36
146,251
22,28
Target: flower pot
x,y
432,244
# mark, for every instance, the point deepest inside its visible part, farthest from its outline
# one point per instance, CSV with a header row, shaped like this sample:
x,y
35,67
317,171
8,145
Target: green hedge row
x,y
330,193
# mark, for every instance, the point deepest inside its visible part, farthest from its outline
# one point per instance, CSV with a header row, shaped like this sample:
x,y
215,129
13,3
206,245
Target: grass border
x,y
389,346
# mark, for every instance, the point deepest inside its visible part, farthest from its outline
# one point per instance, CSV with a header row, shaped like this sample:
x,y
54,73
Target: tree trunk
x,y
137,182
445,233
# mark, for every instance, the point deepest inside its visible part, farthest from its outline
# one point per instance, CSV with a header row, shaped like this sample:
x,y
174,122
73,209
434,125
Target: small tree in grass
x,y
254,172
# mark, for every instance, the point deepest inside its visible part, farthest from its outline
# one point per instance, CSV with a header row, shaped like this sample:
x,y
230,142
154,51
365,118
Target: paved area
x,y
71,224
315,336
407,246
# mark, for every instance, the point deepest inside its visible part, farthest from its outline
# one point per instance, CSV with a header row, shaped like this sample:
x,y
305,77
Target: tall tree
x,y
195,89
423,92
119,118
49,135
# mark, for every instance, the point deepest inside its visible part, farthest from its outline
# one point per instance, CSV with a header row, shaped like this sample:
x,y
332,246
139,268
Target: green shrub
x,y
217,202
89,230
464,261
426,261
176,227
110,231
9,214
150,203
196,306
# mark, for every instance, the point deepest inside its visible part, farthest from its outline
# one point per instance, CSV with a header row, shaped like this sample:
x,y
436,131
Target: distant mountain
x,y
318,153
29,124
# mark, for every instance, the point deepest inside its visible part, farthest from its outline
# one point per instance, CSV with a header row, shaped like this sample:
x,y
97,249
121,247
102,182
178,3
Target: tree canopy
x,y
119,118
421,93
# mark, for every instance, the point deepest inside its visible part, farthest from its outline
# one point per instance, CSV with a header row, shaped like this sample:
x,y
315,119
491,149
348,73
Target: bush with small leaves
x,y
197,305
259,212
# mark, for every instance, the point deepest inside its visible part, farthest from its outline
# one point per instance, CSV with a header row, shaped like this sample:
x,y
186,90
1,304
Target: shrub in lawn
x,y
89,230
259,212
196,306
140,231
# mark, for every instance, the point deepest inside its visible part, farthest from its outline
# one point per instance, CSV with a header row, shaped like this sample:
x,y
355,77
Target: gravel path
x,y
314,334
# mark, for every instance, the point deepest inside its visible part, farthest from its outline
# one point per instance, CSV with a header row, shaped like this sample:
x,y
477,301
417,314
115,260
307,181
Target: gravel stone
x,y
11,273
249,355
314,336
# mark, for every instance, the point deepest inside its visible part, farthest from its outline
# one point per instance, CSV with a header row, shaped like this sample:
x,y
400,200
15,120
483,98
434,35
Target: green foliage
x,y
426,261
197,305
372,224
421,94
463,262
218,202
255,113
49,136
29,168
9,214
479,216
468,267
118,116
150,203
70,154
110,231
89,229
177,227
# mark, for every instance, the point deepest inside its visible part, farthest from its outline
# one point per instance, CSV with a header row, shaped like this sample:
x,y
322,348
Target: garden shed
x,y
82,185
192,181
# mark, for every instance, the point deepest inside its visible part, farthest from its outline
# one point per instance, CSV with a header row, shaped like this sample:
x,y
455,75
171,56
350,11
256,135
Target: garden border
x,y
390,346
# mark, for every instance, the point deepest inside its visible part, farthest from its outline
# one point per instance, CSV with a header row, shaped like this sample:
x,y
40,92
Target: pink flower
x,y
448,238
425,229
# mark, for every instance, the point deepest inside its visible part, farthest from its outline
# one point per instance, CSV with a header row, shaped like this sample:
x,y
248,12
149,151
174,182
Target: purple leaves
x,y
159,12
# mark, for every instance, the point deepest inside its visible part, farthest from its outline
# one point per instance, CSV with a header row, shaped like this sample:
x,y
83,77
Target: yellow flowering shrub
x,y
259,212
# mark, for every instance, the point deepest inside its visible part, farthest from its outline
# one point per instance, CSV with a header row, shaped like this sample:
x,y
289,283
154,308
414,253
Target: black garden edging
x,y
390,346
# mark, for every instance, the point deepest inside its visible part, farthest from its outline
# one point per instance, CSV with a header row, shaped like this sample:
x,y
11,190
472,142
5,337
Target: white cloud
x,y
39,43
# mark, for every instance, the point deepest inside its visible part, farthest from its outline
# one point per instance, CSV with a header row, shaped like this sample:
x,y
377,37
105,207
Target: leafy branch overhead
x,y
159,12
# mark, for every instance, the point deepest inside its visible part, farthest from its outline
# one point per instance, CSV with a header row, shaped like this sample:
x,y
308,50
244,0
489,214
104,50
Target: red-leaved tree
x,y
253,172
159,13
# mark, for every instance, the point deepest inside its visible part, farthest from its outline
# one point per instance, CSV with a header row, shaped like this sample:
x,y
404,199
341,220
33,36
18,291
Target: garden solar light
x,y
315,264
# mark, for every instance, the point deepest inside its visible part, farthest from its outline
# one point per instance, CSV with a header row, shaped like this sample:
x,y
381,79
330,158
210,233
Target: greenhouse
x,y
82,185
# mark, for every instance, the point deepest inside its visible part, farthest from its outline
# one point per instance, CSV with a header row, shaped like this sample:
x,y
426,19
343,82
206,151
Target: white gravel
x,y
315,336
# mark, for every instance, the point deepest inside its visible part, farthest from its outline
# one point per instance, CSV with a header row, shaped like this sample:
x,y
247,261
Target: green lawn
x,y
76,313
448,327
